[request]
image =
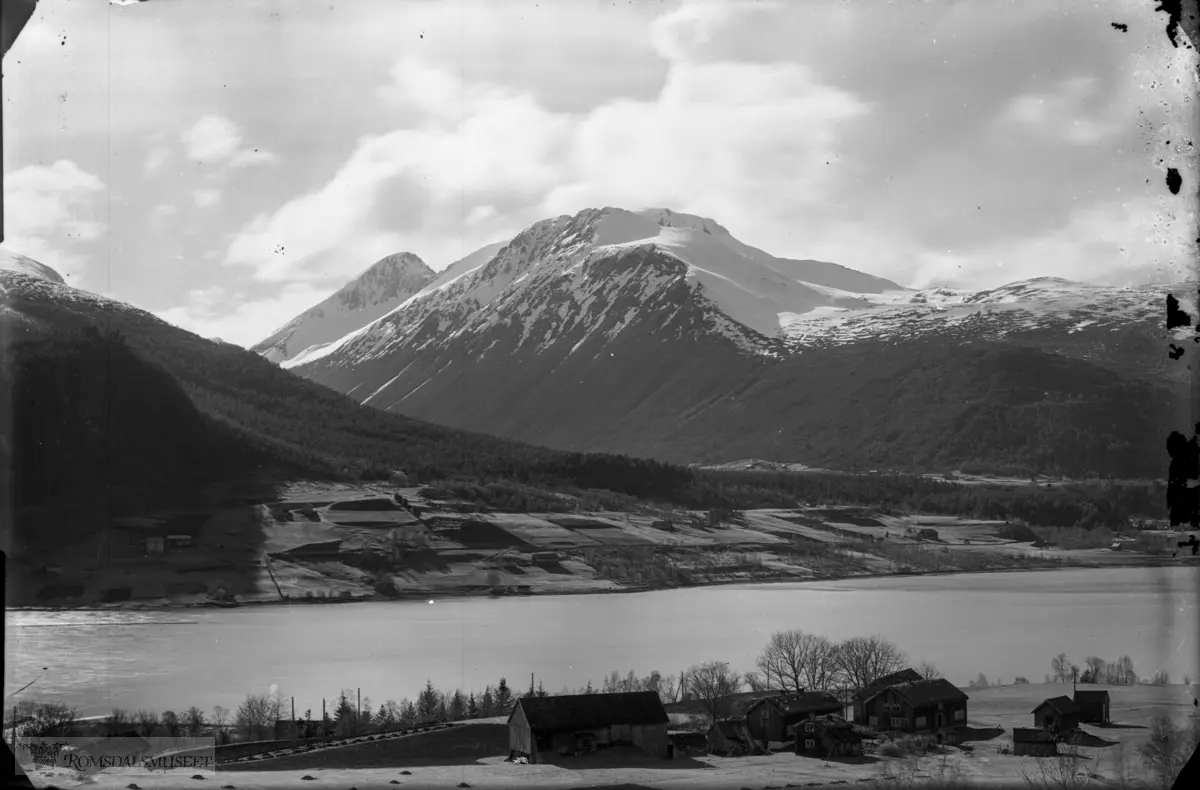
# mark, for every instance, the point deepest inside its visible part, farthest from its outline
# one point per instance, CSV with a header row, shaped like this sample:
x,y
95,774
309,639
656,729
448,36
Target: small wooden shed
x,y
1093,705
1036,742
1057,714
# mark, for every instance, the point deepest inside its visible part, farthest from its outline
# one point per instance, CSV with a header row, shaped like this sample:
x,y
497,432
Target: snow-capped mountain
x,y
657,333
1061,315
15,262
595,273
375,292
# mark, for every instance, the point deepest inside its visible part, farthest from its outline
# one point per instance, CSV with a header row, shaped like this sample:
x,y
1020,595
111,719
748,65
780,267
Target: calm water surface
x,y
1000,624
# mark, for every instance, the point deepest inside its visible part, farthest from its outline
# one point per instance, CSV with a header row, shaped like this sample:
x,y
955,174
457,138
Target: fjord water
x,y
1000,624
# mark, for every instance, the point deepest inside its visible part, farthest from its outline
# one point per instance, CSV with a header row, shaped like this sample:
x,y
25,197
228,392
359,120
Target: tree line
x,y
1096,670
243,409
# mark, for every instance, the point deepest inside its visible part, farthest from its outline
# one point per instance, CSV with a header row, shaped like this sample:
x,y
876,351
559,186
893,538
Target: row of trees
x,y
1119,672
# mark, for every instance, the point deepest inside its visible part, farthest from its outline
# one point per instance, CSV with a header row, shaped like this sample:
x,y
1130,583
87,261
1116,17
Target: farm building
x,y
770,718
827,736
873,688
540,727
1037,742
730,736
545,557
919,706
928,534
1092,705
1056,714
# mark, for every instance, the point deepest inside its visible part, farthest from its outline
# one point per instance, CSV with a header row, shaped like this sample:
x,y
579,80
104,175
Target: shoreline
x,y
1142,562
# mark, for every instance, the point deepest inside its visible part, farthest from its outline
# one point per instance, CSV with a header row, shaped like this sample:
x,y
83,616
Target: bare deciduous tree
x,y
794,660
711,682
256,716
1123,775
1061,667
755,681
220,719
147,721
1168,749
117,722
929,671
193,720
862,660
1094,672
1066,771
170,723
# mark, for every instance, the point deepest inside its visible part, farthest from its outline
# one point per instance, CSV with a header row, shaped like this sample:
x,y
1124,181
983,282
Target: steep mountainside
x,y
384,286
660,334
261,420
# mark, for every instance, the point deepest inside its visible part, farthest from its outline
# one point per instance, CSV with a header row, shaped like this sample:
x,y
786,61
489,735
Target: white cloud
x,y
717,138
203,198
155,160
215,139
250,157
1120,243
50,211
206,312
1062,113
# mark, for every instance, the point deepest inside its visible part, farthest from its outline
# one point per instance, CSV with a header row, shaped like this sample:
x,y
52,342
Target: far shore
x,y
1142,561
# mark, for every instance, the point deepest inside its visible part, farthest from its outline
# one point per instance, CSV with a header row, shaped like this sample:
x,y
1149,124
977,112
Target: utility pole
x,y
293,711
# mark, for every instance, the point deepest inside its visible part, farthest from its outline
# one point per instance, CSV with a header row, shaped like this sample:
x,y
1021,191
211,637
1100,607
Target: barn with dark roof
x,y
1056,714
877,685
920,706
542,727
772,718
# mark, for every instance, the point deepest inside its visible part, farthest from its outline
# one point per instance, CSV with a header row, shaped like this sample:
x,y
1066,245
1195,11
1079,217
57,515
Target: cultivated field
x,y
347,542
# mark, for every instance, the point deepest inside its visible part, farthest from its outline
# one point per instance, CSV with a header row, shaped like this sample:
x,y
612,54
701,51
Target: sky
x,y
227,164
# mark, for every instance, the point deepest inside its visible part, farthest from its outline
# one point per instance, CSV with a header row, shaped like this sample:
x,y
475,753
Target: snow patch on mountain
x,y
376,291
15,262
1023,306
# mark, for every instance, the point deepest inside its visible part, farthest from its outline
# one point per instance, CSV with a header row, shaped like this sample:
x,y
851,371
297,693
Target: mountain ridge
x,y
655,333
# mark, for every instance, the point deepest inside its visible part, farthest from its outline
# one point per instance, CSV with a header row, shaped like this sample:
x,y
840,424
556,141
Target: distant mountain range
x,y
659,334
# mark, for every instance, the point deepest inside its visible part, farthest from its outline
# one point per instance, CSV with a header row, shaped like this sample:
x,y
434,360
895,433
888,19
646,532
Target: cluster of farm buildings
x,y
812,723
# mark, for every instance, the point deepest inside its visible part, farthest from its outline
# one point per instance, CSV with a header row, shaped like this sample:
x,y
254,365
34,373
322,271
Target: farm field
x,y
355,542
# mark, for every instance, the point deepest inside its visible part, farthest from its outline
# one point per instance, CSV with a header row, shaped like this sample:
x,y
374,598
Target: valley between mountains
x,y
574,408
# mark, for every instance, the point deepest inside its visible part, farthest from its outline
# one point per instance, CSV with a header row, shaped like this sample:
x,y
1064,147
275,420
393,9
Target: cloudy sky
x,y
228,163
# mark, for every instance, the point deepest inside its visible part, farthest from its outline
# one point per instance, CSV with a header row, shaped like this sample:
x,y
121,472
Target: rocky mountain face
x,y
660,334
384,286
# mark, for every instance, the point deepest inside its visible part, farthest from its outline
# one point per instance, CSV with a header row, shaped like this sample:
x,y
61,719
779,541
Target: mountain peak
x,y
15,262
376,291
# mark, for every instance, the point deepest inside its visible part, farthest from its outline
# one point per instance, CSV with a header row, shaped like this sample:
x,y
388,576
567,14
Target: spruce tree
x,y
504,698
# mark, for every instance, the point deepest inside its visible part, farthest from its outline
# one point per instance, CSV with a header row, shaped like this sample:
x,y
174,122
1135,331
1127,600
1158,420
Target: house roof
x,y
1091,696
801,704
925,692
1063,706
843,734
874,687
591,711
730,728
1022,735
